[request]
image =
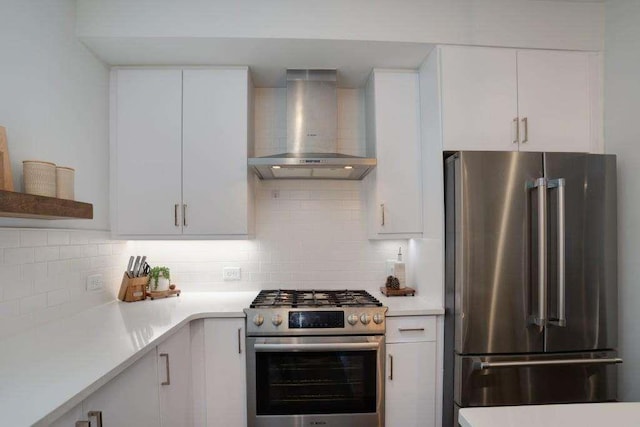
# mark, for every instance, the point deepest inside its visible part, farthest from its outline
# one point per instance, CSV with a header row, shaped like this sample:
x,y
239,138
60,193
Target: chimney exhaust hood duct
x,y
312,134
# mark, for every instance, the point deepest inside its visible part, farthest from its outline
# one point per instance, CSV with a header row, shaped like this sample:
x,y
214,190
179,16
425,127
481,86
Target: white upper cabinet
x,y
214,152
394,191
180,143
479,98
553,101
527,100
146,149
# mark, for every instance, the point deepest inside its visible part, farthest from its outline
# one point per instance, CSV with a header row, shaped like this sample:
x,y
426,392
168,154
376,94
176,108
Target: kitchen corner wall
x,y
309,234
54,104
43,274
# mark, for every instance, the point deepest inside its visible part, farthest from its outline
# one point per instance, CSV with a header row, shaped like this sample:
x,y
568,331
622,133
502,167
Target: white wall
x,y
622,137
518,23
54,104
54,101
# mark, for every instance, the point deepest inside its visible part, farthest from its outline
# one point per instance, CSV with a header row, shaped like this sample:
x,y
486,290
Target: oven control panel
x,y
292,321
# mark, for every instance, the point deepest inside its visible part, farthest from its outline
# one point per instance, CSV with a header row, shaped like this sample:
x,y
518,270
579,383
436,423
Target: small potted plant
x,y
159,279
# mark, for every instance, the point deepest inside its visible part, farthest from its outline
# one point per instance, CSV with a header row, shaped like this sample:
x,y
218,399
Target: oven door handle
x,y
355,346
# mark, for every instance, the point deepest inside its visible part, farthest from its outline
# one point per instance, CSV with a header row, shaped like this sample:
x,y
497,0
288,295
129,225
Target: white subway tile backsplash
x,y
33,238
9,238
47,253
57,238
45,278
72,251
18,255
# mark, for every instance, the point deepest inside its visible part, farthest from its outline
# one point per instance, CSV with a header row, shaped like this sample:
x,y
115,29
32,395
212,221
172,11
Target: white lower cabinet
x,y
225,372
130,399
154,391
174,377
410,385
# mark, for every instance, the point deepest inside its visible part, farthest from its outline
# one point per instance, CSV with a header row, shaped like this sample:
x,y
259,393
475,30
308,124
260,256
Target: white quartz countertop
x,y
618,414
48,370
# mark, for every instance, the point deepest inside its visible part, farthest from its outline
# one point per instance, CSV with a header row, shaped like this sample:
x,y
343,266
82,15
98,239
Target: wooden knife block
x,y
133,288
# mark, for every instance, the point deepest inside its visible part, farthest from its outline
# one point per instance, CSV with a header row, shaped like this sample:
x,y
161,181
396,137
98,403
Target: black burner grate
x,y
314,298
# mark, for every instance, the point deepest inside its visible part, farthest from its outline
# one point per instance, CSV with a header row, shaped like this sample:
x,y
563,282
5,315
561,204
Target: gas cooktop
x,y
315,312
283,298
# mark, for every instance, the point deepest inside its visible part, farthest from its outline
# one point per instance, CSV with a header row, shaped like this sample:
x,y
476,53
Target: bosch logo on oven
x,y
318,423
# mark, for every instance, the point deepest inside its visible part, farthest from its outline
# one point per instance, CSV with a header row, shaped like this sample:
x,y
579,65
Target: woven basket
x,y
64,182
39,178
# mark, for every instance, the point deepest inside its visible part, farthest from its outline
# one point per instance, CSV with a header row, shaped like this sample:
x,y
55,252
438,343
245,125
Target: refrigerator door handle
x,y
479,364
559,184
540,185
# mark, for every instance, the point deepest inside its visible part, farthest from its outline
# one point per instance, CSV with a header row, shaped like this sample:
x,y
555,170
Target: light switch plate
x,y
230,273
94,282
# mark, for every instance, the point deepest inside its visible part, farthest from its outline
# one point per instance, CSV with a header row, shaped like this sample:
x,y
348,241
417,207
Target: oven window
x,y
315,382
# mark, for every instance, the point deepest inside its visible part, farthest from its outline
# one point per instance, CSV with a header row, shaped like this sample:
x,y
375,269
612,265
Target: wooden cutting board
x,y
6,179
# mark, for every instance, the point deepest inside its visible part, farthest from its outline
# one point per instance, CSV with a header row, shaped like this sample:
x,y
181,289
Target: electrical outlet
x,y
94,282
230,273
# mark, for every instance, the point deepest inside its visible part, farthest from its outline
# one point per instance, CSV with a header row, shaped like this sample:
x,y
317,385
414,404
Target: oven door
x,y
315,381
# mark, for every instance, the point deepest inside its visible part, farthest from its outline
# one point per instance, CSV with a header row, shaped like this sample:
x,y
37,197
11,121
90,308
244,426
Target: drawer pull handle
x,y
390,367
411,329
98,415
166,366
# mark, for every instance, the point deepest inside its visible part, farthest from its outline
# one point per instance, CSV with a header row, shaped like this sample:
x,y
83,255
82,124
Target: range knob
x,y
258,319
276,319
365,318
378,318
352,319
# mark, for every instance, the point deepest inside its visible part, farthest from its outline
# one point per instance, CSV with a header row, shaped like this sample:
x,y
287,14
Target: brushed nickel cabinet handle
x,y
166,364
98,415
175,215
525,124
516,126
411,329
239,340
390,367
382,209
184,215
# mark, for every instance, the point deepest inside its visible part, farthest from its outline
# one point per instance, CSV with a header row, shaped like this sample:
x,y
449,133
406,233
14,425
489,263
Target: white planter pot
x,y
163,284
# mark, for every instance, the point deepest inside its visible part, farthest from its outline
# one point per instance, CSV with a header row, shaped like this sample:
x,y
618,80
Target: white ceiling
x,y
267,58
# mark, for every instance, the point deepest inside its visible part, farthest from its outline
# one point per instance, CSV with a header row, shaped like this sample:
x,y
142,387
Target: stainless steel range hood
x,y
312,134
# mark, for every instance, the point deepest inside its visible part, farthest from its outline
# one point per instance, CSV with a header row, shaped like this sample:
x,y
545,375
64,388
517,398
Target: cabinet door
x,y
131,398
215,186
553,96
397,177
479,98
410,391
174,371
146,155
225,370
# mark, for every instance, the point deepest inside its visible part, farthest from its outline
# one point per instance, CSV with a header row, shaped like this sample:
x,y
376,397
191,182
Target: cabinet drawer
x,y
411,329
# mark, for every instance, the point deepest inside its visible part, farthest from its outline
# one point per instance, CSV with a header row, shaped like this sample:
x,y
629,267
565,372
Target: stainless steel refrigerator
x,y
531,279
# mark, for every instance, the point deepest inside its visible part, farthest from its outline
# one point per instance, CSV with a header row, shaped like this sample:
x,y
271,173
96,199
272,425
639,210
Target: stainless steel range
x,y
315,358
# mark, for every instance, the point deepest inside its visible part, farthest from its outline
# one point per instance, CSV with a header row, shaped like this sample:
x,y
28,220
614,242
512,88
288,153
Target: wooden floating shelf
x,y
22,205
